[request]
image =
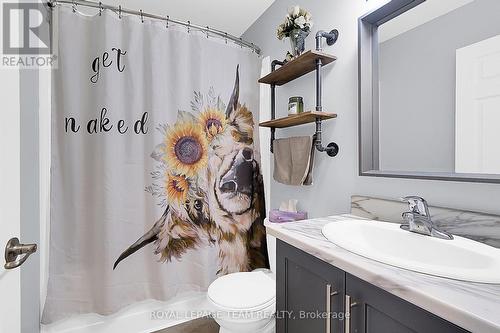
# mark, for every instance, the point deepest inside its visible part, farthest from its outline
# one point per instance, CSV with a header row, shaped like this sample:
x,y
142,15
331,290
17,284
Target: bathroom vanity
x,y
315,277
306,285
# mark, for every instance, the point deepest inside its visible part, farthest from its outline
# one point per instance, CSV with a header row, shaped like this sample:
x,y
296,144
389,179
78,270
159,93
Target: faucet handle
x,y
417,205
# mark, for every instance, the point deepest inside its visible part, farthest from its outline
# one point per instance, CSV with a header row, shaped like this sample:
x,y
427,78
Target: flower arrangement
x,y
297,19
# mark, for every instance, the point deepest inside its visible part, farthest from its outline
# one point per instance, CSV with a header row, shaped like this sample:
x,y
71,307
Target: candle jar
x,y
295,105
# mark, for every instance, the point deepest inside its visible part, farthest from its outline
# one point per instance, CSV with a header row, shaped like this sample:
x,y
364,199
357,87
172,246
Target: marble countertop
x,y
472,306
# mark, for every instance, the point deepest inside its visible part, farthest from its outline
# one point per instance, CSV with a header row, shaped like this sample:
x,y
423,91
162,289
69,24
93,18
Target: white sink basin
x,y
460,258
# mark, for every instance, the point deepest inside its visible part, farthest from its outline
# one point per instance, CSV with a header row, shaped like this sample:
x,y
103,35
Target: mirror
x,y
430,90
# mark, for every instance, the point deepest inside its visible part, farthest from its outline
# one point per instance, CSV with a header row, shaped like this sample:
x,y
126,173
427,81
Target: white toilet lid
x,y
243,291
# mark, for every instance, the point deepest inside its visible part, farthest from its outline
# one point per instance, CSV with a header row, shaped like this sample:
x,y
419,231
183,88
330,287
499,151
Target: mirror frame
x,y
368,100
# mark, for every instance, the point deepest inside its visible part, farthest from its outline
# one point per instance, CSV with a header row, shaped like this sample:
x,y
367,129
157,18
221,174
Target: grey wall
x,y
417,86
336,179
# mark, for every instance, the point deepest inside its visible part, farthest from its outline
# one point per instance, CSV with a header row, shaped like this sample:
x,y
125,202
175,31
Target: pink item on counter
x,y
278,216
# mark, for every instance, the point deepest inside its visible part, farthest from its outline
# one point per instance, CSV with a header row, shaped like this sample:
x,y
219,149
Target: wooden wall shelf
x,y
295,68
313,60
298,119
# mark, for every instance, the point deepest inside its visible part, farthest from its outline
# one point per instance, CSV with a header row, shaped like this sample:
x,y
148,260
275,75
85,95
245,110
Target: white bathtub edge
x,y
136,318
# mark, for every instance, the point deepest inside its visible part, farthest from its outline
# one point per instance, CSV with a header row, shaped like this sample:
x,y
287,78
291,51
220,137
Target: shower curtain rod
x,y
120,10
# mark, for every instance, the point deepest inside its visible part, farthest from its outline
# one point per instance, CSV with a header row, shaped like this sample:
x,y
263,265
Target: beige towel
x,y
293,160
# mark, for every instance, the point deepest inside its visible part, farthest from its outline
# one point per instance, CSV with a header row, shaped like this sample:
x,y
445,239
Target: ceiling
x,y
233,16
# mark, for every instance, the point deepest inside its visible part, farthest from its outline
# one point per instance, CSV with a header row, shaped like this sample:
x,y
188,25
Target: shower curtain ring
x,y
73,6
241,42
253,48
189,27
168,18
142,16
100,8
120,11
225,38
208,30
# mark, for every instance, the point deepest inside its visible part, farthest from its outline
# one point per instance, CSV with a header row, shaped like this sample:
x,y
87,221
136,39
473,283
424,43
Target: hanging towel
x,y
293,160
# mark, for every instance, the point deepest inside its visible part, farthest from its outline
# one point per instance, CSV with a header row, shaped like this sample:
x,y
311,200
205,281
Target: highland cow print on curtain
x,y
156,184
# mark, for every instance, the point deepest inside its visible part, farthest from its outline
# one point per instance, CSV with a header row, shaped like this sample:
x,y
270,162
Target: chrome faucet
x,y
418,219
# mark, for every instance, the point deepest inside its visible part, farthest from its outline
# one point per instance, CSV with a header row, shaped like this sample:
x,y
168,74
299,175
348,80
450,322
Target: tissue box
x,y
279,216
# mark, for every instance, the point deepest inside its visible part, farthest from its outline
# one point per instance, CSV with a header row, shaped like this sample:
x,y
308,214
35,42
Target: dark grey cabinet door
x,y
305,288
377,311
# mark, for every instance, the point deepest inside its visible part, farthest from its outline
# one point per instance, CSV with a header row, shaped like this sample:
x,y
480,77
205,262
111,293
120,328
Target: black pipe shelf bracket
x,y
309,61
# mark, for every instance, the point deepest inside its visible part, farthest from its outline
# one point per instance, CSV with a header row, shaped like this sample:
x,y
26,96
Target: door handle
x,y
17,253
329,294
347,313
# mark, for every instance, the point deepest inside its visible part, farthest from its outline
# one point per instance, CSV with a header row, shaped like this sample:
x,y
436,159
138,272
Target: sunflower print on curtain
x,y
210,186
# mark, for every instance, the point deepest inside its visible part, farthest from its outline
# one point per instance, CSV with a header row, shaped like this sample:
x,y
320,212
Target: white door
x,y
477,136
19,212
10,280
19,199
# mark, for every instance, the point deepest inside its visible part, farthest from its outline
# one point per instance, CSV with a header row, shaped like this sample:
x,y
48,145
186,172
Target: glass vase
x,y
298,41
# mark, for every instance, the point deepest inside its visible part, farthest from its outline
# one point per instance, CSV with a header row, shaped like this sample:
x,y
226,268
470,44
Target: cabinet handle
x,y
329,294
347,313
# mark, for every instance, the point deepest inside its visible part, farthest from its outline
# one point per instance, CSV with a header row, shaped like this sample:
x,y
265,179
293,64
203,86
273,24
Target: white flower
x,y
297,18
300,22
294,11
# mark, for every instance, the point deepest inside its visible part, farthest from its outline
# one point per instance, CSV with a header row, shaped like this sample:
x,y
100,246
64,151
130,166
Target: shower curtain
x,y
156,184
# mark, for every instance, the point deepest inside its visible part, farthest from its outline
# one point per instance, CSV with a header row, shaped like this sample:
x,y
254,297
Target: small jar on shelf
x,y
295,105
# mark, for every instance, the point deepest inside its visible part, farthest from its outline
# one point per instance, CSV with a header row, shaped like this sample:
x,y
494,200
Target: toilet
x,y
246,302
